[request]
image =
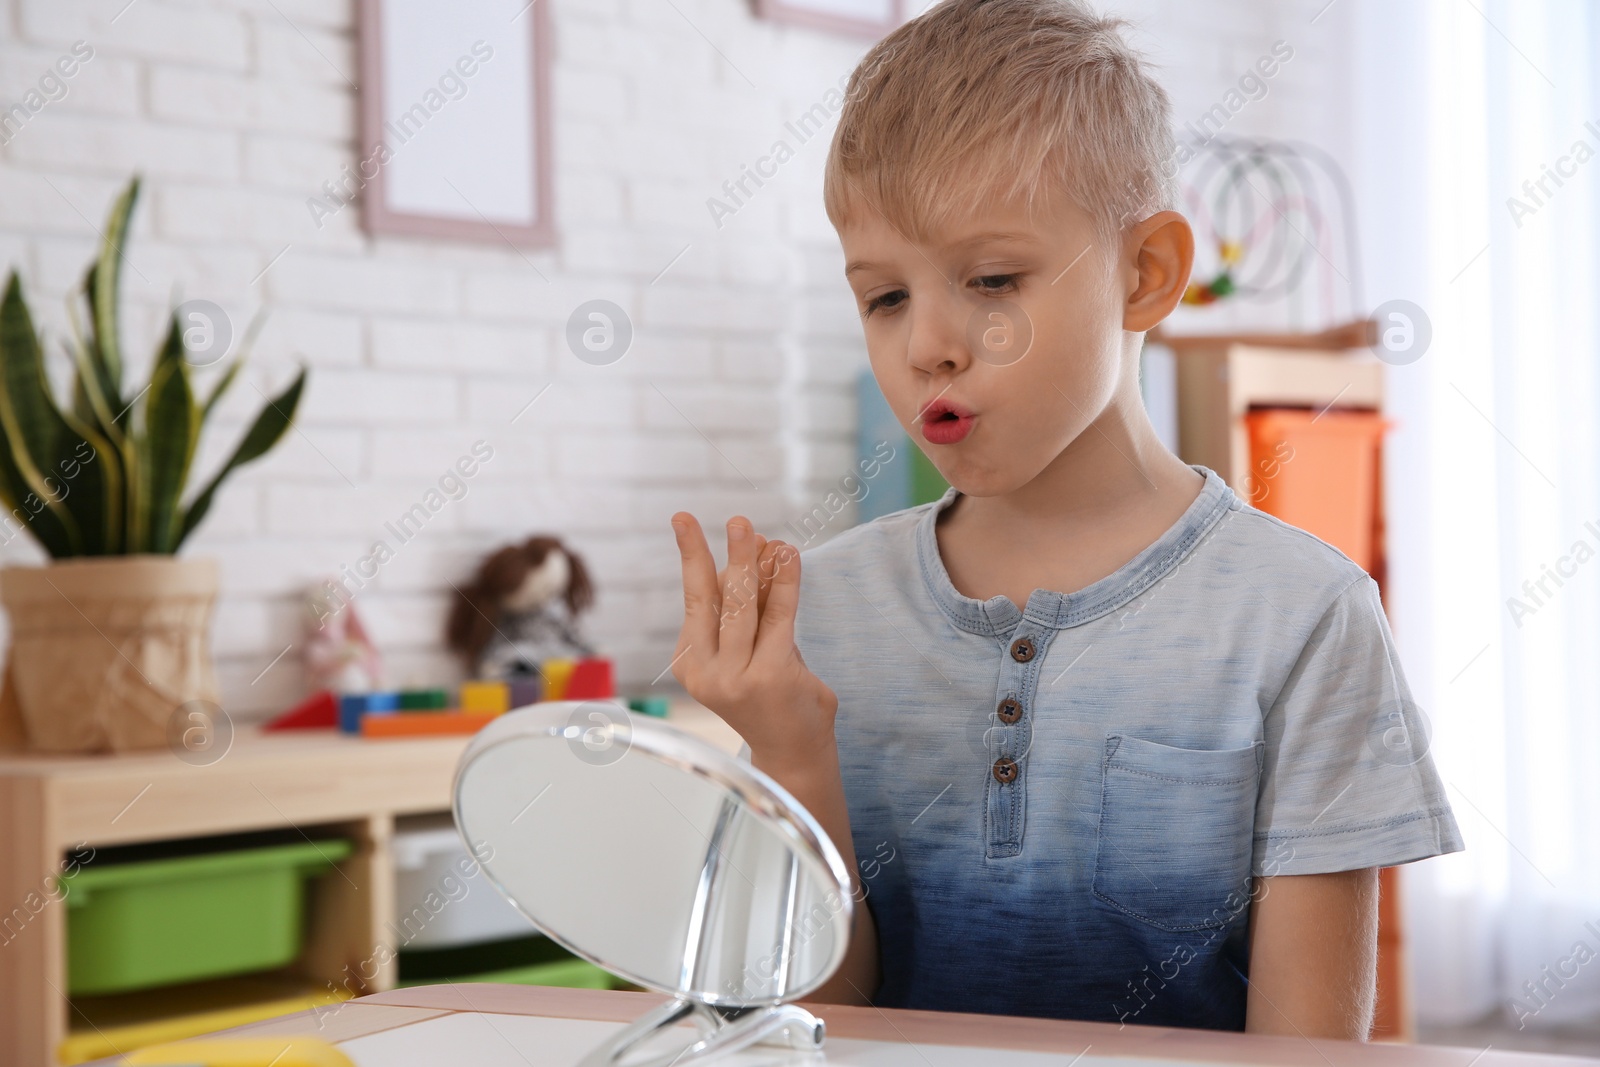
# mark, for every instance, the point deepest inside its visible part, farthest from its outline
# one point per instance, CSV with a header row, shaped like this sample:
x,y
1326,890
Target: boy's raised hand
x,y
736,653
737,656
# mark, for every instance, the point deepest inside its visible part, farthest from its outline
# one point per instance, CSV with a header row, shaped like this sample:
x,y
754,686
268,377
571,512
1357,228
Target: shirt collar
x,y
998,616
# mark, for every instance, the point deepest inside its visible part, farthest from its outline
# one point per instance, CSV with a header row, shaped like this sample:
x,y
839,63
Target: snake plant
x,y
106,474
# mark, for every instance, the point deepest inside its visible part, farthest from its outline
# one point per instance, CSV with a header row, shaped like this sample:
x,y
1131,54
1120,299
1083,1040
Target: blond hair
x,y
1007,98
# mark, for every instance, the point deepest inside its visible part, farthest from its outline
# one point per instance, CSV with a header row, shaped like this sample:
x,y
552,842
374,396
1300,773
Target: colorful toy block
x,y
424,699
490,697
320,709
353,707
557,672
656,706
426,723
590,680
525,691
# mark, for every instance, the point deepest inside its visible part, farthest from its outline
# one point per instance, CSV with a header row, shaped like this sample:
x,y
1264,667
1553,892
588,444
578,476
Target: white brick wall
x,y
742,367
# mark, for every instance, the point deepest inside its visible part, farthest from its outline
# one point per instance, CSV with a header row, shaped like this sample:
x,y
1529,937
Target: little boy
x,y
1100,740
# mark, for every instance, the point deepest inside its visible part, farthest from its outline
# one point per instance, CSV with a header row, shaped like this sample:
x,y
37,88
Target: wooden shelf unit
x,y
1219,381
314,782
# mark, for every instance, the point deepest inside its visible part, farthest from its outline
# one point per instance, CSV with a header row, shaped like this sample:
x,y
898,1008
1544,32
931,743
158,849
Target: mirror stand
x,y
749,903
722,1031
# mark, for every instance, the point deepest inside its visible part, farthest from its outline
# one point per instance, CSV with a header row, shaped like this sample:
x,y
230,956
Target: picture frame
x,y
455,137
857,18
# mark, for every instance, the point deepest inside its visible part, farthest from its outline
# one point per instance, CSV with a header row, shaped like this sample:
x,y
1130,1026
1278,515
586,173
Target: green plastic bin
x,y
572,974
155,922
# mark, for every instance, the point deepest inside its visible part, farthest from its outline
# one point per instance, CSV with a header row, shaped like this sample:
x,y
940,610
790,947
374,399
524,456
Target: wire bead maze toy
x,y
1263,232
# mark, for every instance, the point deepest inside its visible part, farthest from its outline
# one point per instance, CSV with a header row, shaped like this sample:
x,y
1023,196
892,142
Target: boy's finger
x,y
740,614
783,599
701,595
764,576
763,572
766,567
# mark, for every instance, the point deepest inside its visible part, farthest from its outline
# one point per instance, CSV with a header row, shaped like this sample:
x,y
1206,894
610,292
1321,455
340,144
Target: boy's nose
x,y
938,341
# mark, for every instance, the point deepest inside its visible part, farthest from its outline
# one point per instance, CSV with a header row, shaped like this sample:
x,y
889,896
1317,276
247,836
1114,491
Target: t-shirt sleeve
x,y
1348,781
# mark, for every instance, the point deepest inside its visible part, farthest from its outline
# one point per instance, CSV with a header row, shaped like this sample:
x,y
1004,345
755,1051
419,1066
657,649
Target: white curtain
x,y
1493,474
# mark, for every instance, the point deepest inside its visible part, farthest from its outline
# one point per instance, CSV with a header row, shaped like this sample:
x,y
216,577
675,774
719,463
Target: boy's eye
x,y
994,283
887,301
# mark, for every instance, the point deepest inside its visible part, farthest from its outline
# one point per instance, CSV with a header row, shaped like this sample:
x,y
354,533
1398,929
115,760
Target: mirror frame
x,y
657,740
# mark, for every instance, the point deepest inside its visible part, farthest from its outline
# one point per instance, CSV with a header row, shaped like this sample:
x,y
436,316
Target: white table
x,y
519,1026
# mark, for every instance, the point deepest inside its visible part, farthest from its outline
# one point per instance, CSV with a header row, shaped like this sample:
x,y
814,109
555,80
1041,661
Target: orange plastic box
x,y
1320,473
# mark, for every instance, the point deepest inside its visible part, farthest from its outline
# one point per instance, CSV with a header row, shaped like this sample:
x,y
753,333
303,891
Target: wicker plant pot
x,y
104,650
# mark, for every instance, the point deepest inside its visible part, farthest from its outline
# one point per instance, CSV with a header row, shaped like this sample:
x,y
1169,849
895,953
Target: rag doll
x,y
521,609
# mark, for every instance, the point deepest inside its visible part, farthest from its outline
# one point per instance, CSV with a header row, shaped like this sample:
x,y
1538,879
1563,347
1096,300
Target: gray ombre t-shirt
x,y
1059,810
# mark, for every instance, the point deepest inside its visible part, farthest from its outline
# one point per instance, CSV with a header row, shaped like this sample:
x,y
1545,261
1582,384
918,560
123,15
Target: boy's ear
x,y
1160,253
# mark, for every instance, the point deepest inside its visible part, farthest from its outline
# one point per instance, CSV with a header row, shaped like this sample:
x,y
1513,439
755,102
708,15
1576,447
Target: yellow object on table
x,y
241,1052
492,697
105,1036
557,673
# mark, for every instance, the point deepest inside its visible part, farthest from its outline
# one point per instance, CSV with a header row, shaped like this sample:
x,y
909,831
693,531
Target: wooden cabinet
x,y
1218,383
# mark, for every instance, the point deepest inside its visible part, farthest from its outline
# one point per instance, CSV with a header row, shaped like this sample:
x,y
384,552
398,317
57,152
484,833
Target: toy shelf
x,y
1220,380
314,783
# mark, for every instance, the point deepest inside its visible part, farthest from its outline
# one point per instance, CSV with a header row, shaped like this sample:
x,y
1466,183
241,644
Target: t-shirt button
x,y
1005,770
1022,650
1010,710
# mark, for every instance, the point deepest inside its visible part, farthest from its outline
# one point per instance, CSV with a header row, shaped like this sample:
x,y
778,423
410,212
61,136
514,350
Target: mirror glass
x,y
653,854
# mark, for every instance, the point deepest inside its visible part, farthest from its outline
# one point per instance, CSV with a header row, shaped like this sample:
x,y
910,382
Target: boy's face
x,y
998,342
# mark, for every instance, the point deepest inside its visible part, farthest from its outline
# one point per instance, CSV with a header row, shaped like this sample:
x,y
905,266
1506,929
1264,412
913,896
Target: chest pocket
x,y
1175,832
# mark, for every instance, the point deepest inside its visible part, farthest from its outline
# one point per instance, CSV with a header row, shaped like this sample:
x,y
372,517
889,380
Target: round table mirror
x,y
665,861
